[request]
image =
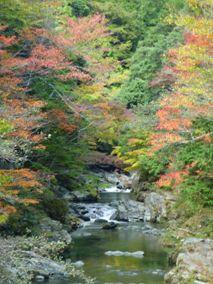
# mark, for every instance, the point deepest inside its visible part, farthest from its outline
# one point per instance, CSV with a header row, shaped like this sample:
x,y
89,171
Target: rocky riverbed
x,y
194,262
151,209
116,220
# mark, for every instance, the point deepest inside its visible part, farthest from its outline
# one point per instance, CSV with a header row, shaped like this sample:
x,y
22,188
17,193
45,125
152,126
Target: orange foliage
x,y
61,118
191,96
82,30
171,179
17,181
19,113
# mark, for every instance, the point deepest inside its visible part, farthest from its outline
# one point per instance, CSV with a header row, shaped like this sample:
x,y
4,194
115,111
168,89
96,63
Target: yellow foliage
x,y
29,201
135,141
3,218
133,167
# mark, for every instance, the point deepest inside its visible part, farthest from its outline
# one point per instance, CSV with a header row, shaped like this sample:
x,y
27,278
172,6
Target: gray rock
x,y
122,181
151,210
136,254
149,230
54,231
78,263
111,178
43,267
129,210
101,221
194,263
109,226
84,218
137,183
84,196
114,215
39,278
155,207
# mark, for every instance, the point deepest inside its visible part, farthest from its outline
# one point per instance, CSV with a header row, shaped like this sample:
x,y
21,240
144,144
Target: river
x,y
130,253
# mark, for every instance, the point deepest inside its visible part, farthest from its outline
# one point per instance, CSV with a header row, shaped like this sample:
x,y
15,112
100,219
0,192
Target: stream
x,y
129,253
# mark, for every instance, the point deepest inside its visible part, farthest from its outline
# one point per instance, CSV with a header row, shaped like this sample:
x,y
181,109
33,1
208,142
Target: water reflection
x,y
91,247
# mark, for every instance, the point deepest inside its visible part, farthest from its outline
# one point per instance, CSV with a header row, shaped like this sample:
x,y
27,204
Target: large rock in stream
x,y
54,231
155,207
194,263
151,210
129,210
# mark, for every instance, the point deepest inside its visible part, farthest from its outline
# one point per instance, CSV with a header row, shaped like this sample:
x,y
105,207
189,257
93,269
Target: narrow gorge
x,y
106,151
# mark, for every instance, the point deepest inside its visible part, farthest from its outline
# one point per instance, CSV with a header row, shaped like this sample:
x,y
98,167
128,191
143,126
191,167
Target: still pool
x,y
90,244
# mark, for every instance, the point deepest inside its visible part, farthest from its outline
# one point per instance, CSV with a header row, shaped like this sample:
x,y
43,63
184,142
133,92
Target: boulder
x,y
194,263
138,184
84,218
101,221
39,278
136,254
129,210
43,267
155,207
109,226
78,264
149,230
151,210
54,230
84,196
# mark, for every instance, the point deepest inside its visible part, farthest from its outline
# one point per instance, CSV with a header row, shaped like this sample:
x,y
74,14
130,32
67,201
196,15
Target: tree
x,y
157,36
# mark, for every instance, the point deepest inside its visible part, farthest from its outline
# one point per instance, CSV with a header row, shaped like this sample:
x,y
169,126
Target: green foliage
x,y
80,8
197,193
55,208
199,154
3,218
148,59
152,167
196,189
5,126
63,155
124,22
19,14
23,222
4,179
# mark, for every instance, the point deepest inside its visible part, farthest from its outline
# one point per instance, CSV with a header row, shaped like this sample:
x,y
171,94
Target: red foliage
x,y
170,119
82,30
199,40
19,180
171,179
61,118
167,76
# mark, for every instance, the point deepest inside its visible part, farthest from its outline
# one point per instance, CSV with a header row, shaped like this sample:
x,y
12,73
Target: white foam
x,y
115,189
98,211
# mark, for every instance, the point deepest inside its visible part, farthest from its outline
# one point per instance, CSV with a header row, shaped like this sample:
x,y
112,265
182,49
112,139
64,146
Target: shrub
x,y
56,208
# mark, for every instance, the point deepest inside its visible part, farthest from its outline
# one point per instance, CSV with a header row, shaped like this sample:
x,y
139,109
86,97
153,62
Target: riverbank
x,y
115,221
189,237
117,227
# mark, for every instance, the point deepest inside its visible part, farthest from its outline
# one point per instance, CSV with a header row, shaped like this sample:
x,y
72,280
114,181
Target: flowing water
x,y
126,255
